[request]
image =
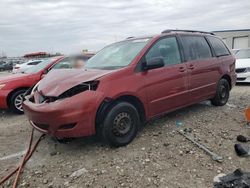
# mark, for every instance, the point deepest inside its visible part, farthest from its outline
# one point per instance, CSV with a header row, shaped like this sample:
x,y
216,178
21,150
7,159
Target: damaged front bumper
x,y
69,117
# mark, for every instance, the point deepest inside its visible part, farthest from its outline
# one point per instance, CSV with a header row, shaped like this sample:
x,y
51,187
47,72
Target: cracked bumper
x,y
70,117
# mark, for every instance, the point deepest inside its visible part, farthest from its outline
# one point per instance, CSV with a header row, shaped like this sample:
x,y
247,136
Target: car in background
x,y
242,65
13,86
6,66
130,82
19,68
68,61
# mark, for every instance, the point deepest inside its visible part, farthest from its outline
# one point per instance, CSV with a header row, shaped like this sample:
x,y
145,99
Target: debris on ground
x,y
214,156
242,138
242,150
78,173
237,179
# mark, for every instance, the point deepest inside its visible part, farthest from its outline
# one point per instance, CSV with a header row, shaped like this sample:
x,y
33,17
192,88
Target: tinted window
x,y
68,62
196,47
167,49
34,63
218,46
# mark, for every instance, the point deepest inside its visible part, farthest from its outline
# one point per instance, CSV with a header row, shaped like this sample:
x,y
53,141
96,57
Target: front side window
x,y
195,48
117,55
167,49
218,46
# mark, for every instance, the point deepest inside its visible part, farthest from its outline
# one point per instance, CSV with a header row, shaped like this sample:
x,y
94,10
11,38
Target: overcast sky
x,y
68,26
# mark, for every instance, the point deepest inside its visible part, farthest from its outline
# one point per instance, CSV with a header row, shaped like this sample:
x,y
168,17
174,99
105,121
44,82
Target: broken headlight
x,y
92,85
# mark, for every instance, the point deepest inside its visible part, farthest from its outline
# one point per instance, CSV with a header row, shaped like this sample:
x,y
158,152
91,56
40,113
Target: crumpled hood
x,y
12,77
242,63
58,81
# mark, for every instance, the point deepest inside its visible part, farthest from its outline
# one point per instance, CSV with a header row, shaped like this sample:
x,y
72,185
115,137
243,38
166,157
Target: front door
x,y
166,87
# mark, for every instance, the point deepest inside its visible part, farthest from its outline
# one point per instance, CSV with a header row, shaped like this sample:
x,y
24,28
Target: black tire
x,y
222,93
14,101
120,125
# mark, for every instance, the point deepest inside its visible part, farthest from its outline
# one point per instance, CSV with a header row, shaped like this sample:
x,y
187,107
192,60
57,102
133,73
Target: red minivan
x,y
129,82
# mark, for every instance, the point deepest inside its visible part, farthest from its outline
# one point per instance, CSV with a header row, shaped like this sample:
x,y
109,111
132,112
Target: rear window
x,y
195,48
219,47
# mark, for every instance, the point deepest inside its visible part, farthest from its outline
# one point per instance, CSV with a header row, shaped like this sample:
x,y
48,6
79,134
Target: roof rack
x,y
189,31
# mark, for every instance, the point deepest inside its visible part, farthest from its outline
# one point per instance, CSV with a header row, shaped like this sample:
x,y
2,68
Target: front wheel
x,y
120,125
222,93
16,101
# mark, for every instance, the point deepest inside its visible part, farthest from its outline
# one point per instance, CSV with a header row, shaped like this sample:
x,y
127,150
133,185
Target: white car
x,y
242,66
19,68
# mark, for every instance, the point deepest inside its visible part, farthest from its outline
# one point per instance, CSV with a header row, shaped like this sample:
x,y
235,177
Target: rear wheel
x,y
120,125
16,101
222,93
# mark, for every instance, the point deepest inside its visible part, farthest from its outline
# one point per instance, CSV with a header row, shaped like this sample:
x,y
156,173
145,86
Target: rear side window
x,y
167,49
219,47
195,48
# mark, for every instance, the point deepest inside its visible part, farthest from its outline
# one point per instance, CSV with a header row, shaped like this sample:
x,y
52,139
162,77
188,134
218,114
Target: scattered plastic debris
x,y
78,173
237,179
178,123
241,150
242,138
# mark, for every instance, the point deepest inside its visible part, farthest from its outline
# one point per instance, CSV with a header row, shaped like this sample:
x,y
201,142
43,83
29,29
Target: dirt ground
x,y
158,157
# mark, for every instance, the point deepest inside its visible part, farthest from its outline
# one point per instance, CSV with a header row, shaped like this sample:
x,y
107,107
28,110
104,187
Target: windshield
x,y
242,54
39,67
117,55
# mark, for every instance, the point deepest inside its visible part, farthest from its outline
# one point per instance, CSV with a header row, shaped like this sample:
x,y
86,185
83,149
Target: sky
x,y
69,26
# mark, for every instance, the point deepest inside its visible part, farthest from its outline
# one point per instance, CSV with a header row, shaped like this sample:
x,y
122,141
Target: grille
x,y
42,99
42,126
241,79
240,70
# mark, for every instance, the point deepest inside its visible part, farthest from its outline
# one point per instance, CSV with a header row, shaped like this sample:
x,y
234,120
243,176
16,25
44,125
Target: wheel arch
x,y
228,78
108,103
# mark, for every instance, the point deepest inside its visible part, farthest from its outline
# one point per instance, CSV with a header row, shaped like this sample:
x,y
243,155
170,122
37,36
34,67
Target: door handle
x,y
182,69
191,67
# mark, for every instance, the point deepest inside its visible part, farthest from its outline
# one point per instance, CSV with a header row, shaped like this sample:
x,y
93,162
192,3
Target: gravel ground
x,y
158,157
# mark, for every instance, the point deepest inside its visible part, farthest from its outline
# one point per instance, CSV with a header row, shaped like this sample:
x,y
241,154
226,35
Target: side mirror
x,y
153,63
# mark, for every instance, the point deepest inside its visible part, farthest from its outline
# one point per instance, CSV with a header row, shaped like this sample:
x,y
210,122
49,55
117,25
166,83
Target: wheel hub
x,y
223,92
122,124
18,102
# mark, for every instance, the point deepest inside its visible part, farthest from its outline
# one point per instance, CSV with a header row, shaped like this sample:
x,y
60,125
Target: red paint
x,y
17,81
159,90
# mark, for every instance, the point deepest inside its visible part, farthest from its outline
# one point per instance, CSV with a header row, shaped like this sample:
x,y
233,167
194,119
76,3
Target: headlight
x,y
1,86
35,87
